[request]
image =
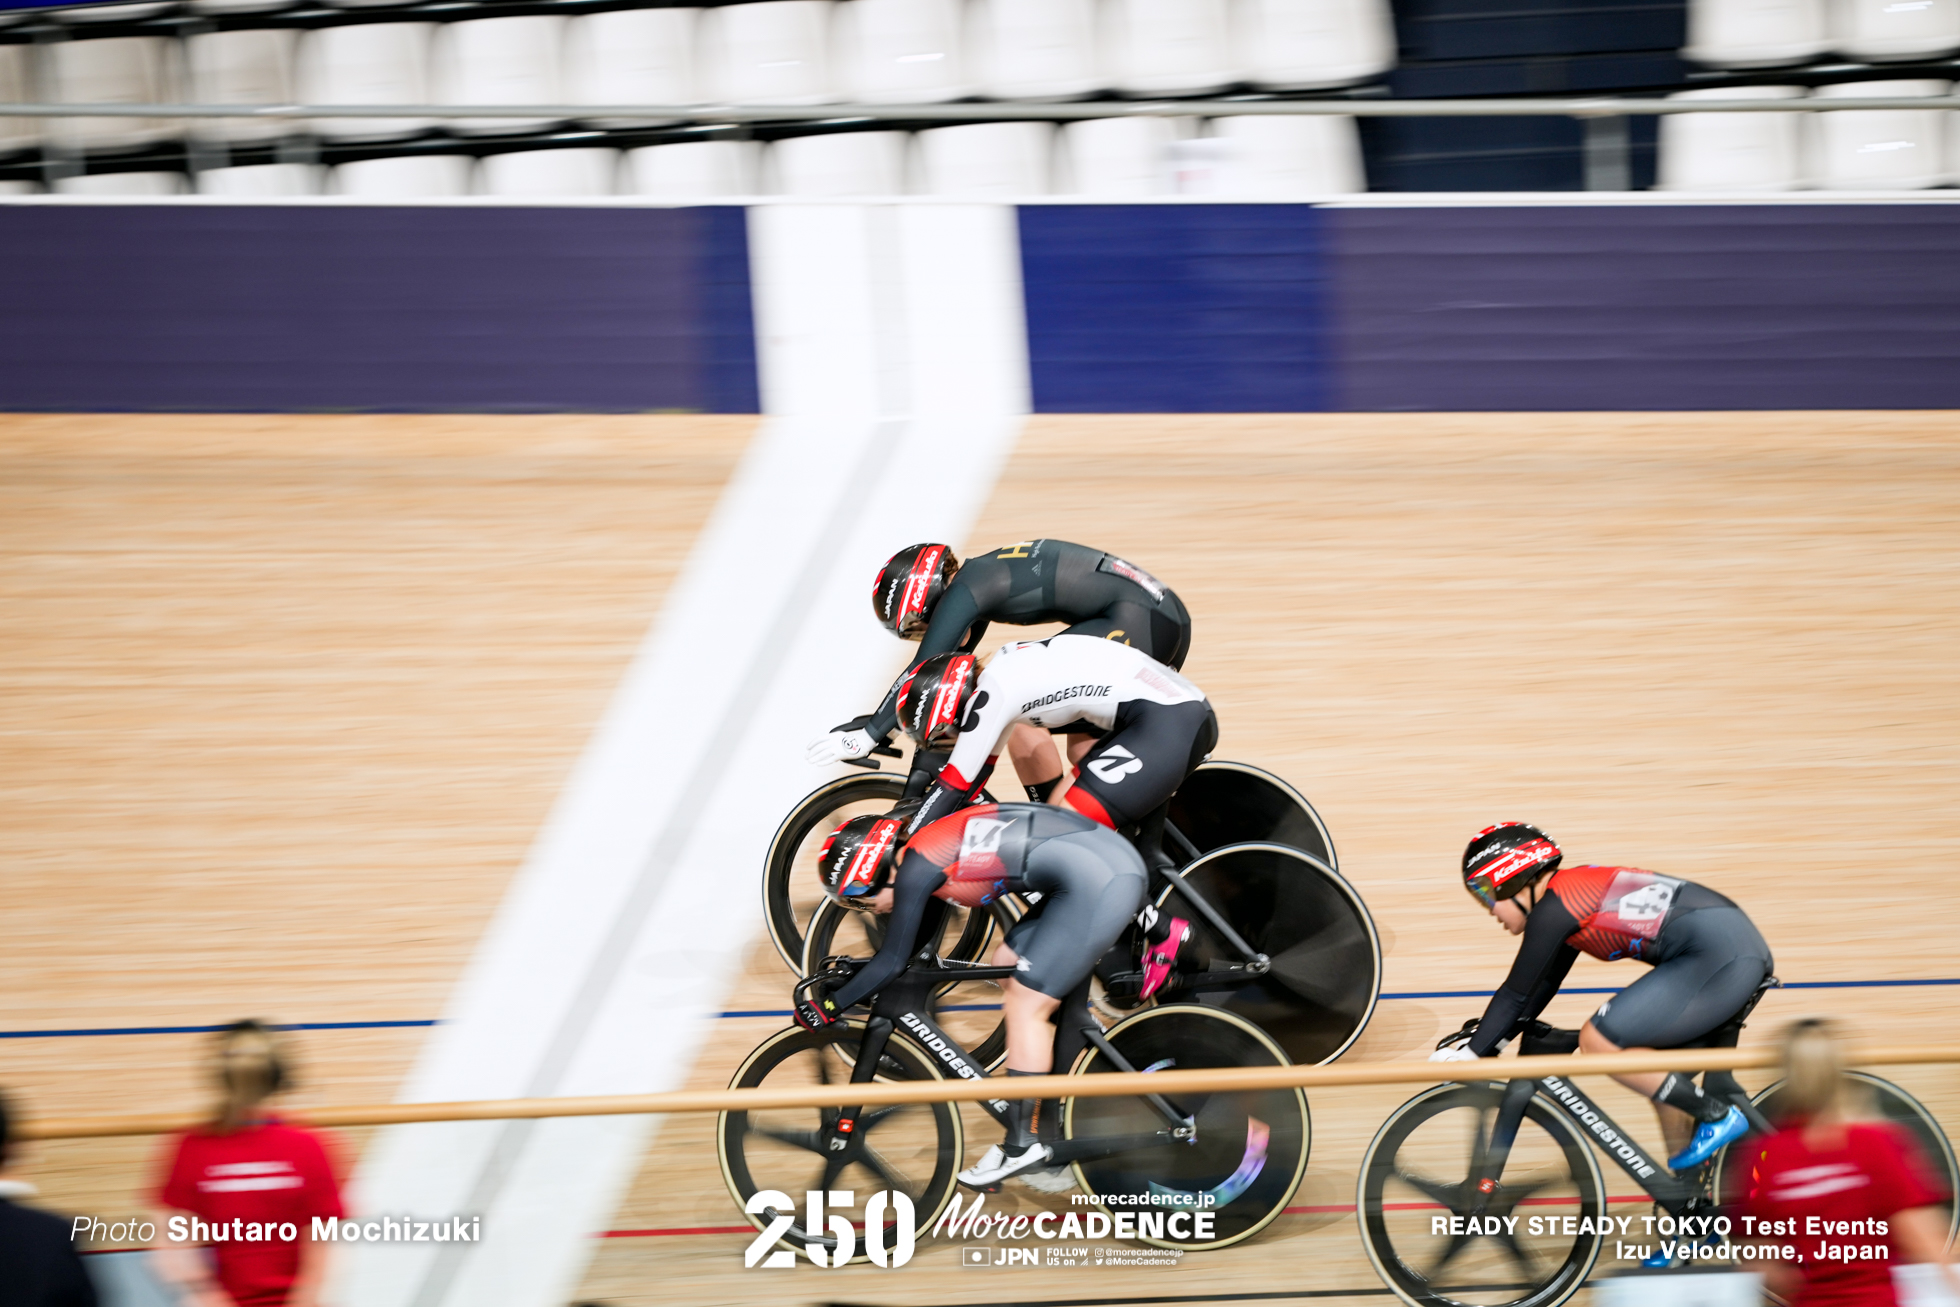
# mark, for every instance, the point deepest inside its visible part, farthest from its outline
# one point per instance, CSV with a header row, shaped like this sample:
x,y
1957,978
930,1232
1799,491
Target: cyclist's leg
x,y
1140,764
1091,885
1680,1001
1035,760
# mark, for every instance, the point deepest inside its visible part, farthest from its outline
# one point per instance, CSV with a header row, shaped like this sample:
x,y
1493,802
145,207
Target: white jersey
x,y
1055,684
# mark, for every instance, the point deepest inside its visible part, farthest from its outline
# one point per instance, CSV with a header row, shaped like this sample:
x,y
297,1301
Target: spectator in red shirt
x,y
247,1186
1864,1177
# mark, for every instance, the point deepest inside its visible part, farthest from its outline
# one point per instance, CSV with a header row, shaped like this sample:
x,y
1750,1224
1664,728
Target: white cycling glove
x,y
838,746
1452,1055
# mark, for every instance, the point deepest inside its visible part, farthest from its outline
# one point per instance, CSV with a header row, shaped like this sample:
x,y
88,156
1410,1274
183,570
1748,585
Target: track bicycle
x,y
1279,937
1238,1155
1504,1153
1219,803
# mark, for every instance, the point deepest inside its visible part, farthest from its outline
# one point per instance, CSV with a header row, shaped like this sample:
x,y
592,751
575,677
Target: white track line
x,y
894,370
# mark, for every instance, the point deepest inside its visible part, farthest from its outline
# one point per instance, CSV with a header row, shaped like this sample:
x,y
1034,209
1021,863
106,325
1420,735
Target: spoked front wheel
x,y
1249,1152
1419,1192
913,1149
1324,957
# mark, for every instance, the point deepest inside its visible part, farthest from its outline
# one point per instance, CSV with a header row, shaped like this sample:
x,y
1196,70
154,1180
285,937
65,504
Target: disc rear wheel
x,y
1249,1152
1324,957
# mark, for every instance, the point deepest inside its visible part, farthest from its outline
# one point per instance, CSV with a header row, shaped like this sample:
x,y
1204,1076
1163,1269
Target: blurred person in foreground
x,y
244,1175
1831,1160
38,1263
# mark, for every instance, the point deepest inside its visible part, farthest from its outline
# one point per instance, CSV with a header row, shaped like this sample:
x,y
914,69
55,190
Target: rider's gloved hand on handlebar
x,y
816,1011
1452,1055
839,746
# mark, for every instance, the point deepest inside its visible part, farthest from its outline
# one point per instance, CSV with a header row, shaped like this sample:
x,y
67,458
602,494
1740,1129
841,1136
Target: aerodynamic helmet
x,y
932,700
1502,859
910,586
857,860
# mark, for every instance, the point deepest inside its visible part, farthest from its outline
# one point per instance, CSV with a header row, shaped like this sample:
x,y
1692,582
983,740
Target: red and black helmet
x,y
1502,859
856,861
932,700
910,586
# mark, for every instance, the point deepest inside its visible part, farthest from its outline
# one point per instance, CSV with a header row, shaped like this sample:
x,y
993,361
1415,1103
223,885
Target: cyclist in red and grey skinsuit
x,y
1091,884
1707,957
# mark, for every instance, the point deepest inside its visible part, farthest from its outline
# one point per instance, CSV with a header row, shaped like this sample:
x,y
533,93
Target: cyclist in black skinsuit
x,y
924,593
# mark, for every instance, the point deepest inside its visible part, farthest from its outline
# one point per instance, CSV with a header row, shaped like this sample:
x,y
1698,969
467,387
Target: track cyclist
x,y
1707,957
924,593
1091,884
1149,726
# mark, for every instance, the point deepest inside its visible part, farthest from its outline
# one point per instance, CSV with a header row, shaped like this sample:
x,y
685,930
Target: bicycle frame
x,y
1675,1194
905,1004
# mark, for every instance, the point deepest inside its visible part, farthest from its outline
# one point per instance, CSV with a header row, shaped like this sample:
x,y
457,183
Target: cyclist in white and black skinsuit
x,y
1150,726
924,593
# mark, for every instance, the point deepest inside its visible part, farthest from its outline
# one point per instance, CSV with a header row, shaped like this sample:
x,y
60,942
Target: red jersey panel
x,y
1620,910
1872,1173
266,1173
966,845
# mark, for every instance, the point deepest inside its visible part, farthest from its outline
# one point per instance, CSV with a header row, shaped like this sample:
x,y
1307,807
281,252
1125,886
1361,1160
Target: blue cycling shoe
x,y
1710,1138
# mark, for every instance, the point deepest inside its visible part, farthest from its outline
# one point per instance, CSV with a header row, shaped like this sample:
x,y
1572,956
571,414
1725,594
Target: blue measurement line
x,y
959,1007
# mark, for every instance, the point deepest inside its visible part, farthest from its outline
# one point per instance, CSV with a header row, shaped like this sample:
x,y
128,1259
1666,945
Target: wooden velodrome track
x,y
284,700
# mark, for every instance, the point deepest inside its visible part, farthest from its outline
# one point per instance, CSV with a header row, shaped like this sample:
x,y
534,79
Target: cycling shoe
x,y
1001,1163
1160,957
1710,1138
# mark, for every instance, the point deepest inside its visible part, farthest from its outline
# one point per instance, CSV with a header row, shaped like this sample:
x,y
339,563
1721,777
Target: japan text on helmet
x,y
910,586
856,861
1502,859
932,700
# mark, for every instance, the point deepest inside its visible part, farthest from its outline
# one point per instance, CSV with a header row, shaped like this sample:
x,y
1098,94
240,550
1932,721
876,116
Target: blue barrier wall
x,y
395,308
1731,306
1177,308
1130,308
1235,308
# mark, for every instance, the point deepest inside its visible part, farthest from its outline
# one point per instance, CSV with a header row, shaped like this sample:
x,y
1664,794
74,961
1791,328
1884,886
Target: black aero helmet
x,y
933,698
856,861
910,586
1502,859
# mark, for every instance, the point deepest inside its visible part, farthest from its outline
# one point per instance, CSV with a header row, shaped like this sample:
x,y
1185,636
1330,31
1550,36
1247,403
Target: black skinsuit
x,y
1039,581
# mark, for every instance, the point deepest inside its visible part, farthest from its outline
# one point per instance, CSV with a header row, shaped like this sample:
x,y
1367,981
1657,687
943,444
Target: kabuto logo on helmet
x,y
910,585
932,697
1503,853
1522,858
862,871
918,586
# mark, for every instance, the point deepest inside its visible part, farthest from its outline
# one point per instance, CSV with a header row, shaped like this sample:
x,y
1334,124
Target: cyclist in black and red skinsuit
x,y
924,593
1707,957
1090,882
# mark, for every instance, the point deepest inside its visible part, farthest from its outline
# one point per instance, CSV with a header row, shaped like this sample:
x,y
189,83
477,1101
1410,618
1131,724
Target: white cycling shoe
x,y
999,1164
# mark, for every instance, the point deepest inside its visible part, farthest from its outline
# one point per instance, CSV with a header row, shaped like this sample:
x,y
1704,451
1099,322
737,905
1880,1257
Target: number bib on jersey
x,y
1636,904
991,853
